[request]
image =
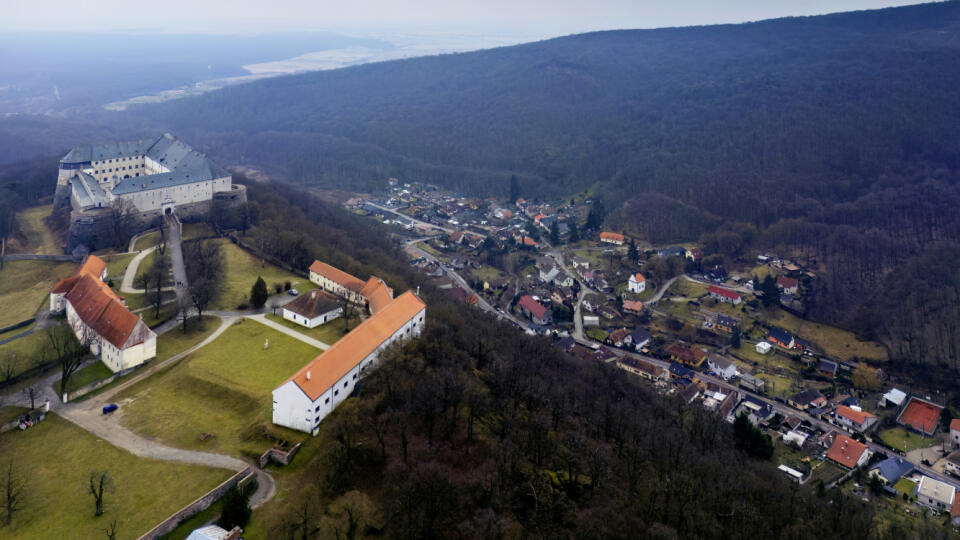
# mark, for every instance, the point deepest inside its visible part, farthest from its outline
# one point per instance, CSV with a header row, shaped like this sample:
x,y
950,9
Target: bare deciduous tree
x,y
32,392
349,312
99,484
111,530
68,352
13,493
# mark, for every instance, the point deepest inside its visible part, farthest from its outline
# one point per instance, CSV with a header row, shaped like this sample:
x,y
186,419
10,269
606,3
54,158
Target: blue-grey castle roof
x,y
186,164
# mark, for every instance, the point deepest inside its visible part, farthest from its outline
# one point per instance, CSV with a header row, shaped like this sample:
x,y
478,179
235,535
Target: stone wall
x,y
197,506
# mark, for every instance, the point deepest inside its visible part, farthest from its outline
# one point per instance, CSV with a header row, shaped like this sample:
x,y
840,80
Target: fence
x,y
282,457
20,324
84,390
197,506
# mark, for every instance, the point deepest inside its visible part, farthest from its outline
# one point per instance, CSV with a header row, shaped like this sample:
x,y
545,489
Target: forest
x,y
835,138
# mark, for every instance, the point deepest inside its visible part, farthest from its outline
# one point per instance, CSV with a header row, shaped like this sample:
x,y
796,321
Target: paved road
x,y
415,220
262,319
174,247
129,276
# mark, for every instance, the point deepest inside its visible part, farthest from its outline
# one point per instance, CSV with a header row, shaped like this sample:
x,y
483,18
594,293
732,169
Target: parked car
x,y
293,292
110,408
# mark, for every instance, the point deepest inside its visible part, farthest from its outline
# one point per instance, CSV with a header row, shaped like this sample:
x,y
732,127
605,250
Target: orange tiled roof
x,y
334,363
101,310
93,266
638,277
857,416
337,276
377,293
611,236
846,451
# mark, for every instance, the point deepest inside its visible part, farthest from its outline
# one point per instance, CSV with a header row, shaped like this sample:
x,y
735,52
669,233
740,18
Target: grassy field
x,y
57,457
835,342
328,333
761,271
901,439
23,351
176,341
16,331
10,413
241,270
905,485
190,230
148,262
36,235
92,373
778,385
827,471
117,265
690,289
223,389
25,286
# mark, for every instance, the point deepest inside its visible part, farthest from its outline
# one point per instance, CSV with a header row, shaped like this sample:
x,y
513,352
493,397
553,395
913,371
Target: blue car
x,y
110,408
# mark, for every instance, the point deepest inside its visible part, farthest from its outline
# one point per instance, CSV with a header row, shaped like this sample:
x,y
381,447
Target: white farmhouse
x,y
637,283
100,320
313,392
763,347
313,309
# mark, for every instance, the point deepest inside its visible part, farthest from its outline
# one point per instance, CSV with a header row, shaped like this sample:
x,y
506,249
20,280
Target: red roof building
x,y
611,238
535,310
686,354
847,452
724,295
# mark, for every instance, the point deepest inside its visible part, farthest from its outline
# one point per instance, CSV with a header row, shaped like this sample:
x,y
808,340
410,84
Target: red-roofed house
x,y
724,295
304,399
612,238
337,281
633,307
535,310
637,283
854,419
688,355
788,285
847,452
100,320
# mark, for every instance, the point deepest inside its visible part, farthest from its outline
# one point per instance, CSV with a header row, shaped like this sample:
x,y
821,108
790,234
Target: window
x,y
345,384
336,392
316,409
327,401
354,376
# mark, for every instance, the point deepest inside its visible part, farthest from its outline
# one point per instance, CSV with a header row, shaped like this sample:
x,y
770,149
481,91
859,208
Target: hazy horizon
x,y
534,18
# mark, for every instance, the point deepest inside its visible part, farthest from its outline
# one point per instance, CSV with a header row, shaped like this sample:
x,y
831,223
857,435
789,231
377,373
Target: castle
x,y
144,179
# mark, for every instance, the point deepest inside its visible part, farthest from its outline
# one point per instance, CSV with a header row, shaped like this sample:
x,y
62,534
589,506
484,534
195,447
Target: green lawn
x,y
905,485
690,289
37,237
147,263
328,333
23,351
834,341
166,311
777,385
96,371
117,265
25,287
16,331
223,389
57,458
901,439
241,270
597,334
176,340
10,413
148,240
827,471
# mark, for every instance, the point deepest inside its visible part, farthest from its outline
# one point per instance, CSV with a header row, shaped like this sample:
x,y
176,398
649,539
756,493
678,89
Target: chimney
x,y
308,375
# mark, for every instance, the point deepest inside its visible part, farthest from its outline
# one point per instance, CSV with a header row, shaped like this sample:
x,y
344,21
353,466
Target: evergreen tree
x,y
554,233
514,188
735,338
632,254
574,232
259,294
771,294
236,508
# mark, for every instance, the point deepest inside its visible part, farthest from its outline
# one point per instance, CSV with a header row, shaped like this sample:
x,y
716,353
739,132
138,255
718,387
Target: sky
x,y
530,17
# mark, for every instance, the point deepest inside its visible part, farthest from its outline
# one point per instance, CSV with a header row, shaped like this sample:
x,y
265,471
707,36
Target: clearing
x,y
56,458
25,286
901,439
37,237
223,389
240,273
835,342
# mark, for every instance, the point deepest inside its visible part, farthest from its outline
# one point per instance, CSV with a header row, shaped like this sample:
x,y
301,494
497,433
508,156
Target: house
x,y
643,368
757,410
611,238
827,368
690,356
728,404
313,392
215,532
690,393
724,295
952,463
723,367
591,320
563,279
894,398
313,309
781,337
796,437
535,310
763,347
891,469
727,324
934,494
580,263
920,415
100,319
678,373
337,282
674,251
616,338
847,452
456,237
458,293
694,254
755,384
566,343
633,307
788,285
811,397
548,270
637,283
955,432
854,418
638,339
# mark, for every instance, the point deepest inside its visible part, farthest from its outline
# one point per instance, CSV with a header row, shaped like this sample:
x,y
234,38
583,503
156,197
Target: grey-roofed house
x,y
892,469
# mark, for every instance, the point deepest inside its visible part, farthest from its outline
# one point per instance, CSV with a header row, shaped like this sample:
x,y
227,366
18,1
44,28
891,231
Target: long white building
x,y
100,320
312,393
